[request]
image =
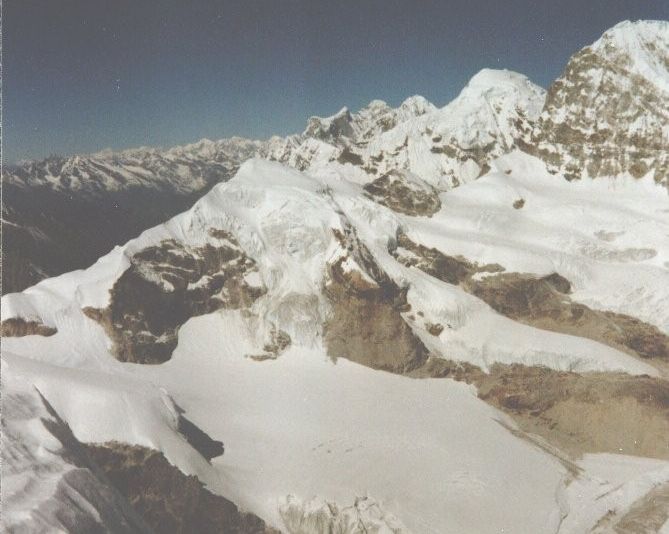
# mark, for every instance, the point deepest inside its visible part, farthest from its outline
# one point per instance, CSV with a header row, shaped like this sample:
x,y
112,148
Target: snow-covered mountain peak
x,y
641,46
488,78
495,107
330,128
183,169
607,114
515,88
415,106
628,34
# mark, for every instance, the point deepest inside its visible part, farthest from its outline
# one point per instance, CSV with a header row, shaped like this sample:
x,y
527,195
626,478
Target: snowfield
x,y
428,453
48,484
368,221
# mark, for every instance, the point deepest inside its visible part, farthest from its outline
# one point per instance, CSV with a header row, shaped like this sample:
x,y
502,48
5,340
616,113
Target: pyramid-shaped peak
x,y
335,126
640,47
489,78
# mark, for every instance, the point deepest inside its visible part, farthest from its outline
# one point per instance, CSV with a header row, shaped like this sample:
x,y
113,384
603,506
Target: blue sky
x,y
83,75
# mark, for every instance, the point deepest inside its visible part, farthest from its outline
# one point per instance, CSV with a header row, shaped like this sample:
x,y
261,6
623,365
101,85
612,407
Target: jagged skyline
x,y
82,77
406,319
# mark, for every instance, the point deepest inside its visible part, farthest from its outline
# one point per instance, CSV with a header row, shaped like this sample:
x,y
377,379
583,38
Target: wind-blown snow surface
x,y
48,483
431,453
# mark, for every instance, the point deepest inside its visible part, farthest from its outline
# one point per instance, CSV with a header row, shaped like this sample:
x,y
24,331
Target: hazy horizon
x,y
81,77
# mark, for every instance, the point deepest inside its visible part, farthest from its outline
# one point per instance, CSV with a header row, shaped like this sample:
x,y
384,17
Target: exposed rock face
x,y
542,302
451,269
591,412
19,327
279,341
579,413
331,129
366,325
404,193
166,499
608,114
645,516
168,284
198,439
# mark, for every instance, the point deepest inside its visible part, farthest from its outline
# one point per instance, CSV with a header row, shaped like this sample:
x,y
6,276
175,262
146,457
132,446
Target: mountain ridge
x,y
437,287
327,300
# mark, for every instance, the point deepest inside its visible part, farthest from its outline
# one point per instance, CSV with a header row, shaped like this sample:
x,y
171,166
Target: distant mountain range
x,y
402,320
605,116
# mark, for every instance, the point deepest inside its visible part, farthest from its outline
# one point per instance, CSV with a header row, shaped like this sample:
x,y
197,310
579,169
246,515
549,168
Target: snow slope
x,y
48,483
305,427
607,114
313,442
343,431
609,238
285,219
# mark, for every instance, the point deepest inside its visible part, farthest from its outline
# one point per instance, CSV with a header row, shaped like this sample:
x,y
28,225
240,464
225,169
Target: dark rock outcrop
x,y
539,301
576,412
451,269
395,191
543,302
366,325
165,286
19,327
165,498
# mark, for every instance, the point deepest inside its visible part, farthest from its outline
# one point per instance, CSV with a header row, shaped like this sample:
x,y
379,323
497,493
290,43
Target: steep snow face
x,y
456,144
108,403
608,113
491,105
48,482
642,45
617,486
445,147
